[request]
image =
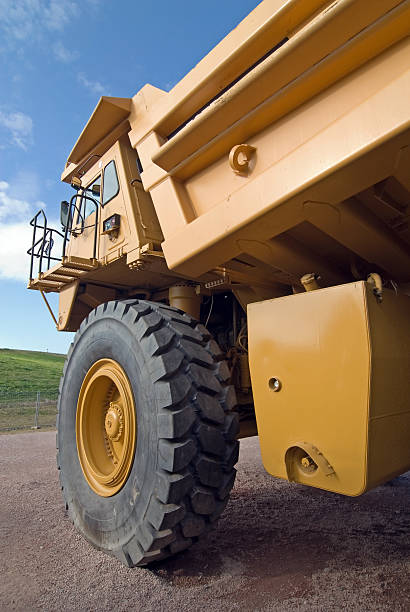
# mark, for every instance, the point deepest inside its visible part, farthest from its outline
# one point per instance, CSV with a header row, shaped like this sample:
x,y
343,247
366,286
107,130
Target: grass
x,y
29,371
23,374
17,416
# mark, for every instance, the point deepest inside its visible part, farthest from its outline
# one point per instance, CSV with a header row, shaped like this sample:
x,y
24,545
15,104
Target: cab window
x,y
87,205
111,186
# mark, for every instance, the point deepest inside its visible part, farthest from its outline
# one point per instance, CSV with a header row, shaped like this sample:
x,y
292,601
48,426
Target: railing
x,y
42,247
44,237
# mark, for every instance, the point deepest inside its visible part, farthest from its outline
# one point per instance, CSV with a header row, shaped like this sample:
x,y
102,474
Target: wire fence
x,y
27,409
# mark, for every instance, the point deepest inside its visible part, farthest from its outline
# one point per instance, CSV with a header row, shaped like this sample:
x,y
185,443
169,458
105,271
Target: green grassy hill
x,y
28,371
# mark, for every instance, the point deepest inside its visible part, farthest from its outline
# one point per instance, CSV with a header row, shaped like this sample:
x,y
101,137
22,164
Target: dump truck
x,y
235,261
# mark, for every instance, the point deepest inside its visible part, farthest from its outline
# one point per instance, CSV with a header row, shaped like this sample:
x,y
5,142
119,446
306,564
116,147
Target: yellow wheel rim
x,y
106,427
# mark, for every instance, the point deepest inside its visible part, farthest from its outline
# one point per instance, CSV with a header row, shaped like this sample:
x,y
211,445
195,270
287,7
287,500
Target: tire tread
x,y
196,422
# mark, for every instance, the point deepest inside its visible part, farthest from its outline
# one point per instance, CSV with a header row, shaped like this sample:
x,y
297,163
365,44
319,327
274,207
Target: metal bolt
x,y
308,464
275,384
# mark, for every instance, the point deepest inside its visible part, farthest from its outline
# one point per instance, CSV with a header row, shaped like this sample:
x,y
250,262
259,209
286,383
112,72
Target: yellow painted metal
x,y
331,385
106,428
310,282
267,159
323,41
185,297
292,171
108,114
66,302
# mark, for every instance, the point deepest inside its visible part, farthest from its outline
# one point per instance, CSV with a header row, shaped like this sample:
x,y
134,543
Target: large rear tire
x,y
146,442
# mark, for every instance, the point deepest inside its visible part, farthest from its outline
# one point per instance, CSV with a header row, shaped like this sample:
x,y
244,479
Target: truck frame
x,y
235,261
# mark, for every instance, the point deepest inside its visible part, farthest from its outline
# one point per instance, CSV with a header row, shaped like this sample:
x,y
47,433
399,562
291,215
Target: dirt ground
x,y
278,546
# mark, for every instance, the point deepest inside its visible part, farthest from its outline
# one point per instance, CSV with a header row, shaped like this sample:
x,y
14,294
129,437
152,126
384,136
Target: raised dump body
x,y
266,195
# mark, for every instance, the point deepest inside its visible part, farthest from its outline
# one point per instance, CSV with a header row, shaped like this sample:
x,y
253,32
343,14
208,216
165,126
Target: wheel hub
x,y
114,422
106,427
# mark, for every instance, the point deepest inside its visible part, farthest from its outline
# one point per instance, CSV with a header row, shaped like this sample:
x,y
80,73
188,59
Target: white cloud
x,y
15,232
13,208
20,127
25,19
17,18
94,87
24,23
62,54
57,13
15,239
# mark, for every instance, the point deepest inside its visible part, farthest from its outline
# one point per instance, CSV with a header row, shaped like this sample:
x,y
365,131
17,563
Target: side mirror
x,y
96,189
64,212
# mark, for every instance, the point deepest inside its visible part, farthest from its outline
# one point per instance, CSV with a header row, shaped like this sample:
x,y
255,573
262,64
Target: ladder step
x,y
79,263
39,283
67,273
61,278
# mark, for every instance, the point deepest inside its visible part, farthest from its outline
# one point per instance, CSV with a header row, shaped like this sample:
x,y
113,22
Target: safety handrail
x,y
74,207
43,236
44,243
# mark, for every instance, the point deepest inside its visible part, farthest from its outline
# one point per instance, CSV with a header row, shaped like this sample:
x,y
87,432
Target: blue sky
x,y
57,57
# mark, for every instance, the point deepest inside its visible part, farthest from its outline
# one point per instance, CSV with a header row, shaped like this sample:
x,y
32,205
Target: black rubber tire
x,y
183,469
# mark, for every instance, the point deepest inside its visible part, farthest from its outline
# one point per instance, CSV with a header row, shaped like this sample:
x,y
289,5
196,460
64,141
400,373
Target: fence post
x,y
37,409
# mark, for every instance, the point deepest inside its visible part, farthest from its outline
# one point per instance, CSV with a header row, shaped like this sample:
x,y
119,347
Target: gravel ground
x,y
278,546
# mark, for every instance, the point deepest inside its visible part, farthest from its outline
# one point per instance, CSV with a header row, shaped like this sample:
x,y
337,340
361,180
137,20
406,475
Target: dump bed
x,y
286,150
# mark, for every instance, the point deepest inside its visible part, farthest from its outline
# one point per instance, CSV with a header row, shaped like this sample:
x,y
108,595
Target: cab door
x,y
114,223
84,233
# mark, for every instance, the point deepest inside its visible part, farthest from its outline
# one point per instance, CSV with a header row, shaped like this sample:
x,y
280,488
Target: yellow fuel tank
x,y
331,382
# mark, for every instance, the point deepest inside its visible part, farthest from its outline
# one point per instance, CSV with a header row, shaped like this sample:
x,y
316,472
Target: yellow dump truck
x,y
236,262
